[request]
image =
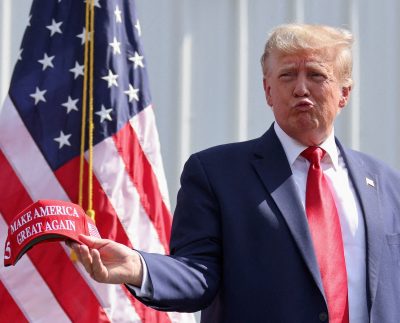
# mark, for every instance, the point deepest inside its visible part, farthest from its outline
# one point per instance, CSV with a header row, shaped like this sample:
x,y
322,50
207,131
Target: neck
x,y
309,138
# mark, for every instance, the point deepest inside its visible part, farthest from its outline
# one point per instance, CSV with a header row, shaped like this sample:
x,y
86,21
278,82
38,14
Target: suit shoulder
x,y
375,164
227,151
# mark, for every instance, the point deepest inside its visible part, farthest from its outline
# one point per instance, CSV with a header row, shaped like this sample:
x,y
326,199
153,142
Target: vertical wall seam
x,y
186,76
243,72
354,123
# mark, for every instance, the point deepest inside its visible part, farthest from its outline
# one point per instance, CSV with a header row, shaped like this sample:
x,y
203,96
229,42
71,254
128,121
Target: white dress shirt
x,y
350,215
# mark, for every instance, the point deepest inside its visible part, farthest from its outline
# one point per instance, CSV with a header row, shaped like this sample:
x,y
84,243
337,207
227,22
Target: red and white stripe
x,y
45,286
27,305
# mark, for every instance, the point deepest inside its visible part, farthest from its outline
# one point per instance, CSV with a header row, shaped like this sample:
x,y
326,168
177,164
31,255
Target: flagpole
x,y
84,105
90,210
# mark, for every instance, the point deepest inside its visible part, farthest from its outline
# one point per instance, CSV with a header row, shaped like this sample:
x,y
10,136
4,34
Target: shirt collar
x,y
293,148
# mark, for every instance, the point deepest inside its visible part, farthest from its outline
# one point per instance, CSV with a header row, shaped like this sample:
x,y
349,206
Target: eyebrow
x,y
293,66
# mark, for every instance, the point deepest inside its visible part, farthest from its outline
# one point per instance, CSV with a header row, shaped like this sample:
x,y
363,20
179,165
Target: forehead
x,y
318,59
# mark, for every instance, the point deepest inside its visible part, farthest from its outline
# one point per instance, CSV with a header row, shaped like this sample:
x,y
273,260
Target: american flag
x,y
40,133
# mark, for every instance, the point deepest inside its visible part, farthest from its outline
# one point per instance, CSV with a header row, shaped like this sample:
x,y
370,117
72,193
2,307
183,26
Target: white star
x,y
117,13
137,26
111,79
20,54
82,36
38,95
77,70
104,113
70,104
29,20
132,93
63,140
116,46
54,27
46,61
137,60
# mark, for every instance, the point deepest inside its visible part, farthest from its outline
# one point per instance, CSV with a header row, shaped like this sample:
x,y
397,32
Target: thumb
x,y
90,241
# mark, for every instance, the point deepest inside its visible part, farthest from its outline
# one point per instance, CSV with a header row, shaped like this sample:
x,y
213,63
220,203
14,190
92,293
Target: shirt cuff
x,y
146,290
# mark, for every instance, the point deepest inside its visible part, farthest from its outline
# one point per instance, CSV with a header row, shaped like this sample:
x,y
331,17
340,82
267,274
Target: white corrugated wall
x,y
203,63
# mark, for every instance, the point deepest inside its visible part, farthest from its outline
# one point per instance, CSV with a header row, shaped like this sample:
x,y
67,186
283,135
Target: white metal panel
x,y
206,81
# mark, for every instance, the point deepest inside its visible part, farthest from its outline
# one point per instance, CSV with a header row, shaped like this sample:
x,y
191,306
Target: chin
x,y
306,123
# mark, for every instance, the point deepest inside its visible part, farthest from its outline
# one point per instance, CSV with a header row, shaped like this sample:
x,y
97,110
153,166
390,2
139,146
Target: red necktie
x,y
326,233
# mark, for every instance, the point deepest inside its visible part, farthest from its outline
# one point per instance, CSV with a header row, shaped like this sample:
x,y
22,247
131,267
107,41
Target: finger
x,y
75,249
100,272
72,244
85,258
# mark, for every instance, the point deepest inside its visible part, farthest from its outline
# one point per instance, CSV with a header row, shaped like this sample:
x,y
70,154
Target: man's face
x,y
305,94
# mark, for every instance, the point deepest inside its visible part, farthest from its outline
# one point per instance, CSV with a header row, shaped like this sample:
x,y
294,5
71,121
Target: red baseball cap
x,y
46,220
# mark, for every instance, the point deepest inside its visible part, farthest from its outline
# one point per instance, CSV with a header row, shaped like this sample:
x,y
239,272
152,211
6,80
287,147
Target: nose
x,y
301,87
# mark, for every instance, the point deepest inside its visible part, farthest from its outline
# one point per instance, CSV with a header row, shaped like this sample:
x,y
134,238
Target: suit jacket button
x,y
323,316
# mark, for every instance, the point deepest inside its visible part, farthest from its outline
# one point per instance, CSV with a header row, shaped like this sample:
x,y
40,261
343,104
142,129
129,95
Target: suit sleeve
x,y
189,278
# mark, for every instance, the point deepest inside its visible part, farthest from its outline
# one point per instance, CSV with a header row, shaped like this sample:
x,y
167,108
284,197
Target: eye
x,y
317,76
286,75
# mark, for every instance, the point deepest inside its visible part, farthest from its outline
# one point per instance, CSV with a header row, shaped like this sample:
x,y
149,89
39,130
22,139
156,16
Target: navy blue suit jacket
x,y
241,249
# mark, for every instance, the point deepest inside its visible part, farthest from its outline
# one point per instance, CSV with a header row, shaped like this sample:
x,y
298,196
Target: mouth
x,y
304,106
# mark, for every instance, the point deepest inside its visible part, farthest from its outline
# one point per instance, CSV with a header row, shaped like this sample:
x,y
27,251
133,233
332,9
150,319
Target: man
x,y
263,231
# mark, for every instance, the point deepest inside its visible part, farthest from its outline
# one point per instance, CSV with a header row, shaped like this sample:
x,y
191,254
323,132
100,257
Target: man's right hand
x,y
108,261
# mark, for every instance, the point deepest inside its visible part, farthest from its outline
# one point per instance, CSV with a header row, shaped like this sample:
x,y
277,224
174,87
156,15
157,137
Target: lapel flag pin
x,y
369,182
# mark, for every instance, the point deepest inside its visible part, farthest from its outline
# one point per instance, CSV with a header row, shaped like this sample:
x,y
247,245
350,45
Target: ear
x,y
267,90
345,96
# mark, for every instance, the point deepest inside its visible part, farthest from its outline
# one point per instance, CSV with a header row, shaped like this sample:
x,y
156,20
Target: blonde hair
x,y
294,38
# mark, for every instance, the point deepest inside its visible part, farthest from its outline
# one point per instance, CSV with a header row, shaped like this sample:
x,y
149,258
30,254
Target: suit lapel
x,y
274,171
273,168
366,185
